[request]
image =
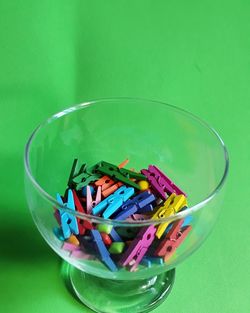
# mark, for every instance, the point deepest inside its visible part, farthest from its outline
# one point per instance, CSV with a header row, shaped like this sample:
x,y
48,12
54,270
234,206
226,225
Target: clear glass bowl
x,y
146,132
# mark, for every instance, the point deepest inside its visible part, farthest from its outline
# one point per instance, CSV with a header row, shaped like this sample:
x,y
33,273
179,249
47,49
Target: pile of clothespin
x,y
113,192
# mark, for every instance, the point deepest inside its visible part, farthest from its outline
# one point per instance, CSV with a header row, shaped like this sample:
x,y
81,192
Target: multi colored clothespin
x,y
140,203
90,202
120,174
170,207
112,203
102,250
68,221
173,239
82,223
138,247
160,182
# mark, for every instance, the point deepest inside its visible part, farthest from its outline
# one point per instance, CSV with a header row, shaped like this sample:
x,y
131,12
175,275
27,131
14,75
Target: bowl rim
x,y
96,219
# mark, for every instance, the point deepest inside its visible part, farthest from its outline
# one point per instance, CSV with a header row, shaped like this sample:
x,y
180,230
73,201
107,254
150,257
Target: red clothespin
x,y
160,182
90,202
173,240
107,184
138,247
82,224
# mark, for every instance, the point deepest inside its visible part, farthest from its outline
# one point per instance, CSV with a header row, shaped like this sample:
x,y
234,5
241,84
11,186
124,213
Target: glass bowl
x,y
146,132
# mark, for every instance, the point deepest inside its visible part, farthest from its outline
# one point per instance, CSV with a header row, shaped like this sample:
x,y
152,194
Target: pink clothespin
x,y
138,247
160,182
79,254
90,202
70,247
173,240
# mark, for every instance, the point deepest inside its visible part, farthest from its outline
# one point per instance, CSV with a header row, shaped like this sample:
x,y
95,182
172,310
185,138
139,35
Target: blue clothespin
x,y
154,260
112,203
114,235
58,232
146,262
104,254
140,203
187,219
68,221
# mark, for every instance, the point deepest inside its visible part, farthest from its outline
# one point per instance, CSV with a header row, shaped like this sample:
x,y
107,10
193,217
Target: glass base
x,y
119,296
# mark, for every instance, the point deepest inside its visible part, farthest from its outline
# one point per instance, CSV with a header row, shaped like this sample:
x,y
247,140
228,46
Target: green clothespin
x,y
86,180
89,175
74,177
120,174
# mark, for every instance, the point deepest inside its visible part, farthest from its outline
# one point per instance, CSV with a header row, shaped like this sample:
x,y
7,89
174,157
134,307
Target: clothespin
x,y
111,189
154,260
146,262
138,247
74,174
160,182
87,176
170,207
108,185
82,223
140,203
137,217
68,221
58,233
90,202
112,203
79,254
115,236
102,250
70,247
120,174
173,239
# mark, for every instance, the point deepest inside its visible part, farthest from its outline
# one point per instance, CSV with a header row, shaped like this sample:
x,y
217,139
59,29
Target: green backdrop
x,y
194,54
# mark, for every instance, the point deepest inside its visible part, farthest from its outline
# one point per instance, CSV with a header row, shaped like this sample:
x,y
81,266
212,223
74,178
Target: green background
x,y
194,54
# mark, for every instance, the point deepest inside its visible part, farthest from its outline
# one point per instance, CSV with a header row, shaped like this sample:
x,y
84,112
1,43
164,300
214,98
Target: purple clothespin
x,y
90,202
138,247
140,203
160,182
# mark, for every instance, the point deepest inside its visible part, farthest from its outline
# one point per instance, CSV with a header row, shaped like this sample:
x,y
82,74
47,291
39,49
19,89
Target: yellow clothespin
x,y
172,205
